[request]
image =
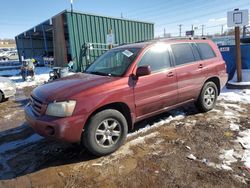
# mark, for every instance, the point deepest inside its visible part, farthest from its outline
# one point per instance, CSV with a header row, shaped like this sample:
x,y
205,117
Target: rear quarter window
x,y
206,51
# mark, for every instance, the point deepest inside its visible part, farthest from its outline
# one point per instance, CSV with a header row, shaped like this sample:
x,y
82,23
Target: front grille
x,y
36,105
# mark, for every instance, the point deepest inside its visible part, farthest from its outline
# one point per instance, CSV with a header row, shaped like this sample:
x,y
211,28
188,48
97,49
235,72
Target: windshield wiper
x,y
100,73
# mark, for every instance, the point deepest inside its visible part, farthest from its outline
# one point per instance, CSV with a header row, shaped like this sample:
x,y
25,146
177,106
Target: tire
x,y
1,96
99,137
6,59
208,97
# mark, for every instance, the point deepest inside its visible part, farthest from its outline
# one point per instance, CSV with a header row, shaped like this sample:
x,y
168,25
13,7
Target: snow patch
x,y
234,127
41,76
216,110
241,96
175,116
233,107
245,78
125,149
228,157
244,140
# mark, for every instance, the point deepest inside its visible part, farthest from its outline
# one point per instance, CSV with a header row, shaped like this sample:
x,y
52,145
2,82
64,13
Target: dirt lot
x,y
157,154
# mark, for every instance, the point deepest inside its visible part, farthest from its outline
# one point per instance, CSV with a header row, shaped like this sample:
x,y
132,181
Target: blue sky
x,y
19,15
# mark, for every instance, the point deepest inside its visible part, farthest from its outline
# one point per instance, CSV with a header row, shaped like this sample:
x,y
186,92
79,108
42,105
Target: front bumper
x,y
67,129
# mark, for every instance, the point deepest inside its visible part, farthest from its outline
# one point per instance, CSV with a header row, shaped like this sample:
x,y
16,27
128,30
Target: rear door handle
x,y
170,74
200,66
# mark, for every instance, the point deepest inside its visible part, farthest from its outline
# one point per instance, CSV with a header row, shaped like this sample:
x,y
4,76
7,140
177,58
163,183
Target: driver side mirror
x,y
143,71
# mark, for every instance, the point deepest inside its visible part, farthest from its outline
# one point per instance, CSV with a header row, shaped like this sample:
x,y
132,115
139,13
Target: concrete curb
x,y
237,86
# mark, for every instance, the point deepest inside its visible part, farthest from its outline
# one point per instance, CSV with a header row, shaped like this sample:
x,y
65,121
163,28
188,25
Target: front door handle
x,y
170,74
200,66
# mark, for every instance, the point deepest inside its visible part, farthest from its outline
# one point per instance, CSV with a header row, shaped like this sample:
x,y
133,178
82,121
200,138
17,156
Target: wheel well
x,y
119,106
216,80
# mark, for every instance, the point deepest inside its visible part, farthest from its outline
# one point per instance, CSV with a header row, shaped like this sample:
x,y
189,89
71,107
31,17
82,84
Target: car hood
x,y
65,88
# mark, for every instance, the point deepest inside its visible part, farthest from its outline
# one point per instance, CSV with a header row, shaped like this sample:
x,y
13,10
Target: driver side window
x,y
157,60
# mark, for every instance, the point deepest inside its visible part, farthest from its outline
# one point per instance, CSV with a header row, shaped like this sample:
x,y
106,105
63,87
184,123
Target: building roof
x,y
48,23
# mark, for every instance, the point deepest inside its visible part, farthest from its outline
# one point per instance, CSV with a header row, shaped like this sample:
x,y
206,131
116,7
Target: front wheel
x,y
105,132
208,97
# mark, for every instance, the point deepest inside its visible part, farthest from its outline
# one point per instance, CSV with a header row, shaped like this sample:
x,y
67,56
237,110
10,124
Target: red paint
x,y
145,96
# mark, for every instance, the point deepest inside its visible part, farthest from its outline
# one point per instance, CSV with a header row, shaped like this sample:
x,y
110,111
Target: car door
x,y
188,70
158,90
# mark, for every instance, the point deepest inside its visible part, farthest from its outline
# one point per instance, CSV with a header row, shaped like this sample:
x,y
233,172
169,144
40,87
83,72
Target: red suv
x,y
123,86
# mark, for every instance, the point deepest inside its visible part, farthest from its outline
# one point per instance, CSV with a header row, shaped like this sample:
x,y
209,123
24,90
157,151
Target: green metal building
x,y
79,37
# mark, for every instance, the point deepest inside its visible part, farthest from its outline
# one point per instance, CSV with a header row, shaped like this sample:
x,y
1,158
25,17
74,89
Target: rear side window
x,y
206,51
183,53
157,60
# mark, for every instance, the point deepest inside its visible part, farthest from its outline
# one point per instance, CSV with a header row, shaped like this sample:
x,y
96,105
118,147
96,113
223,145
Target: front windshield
x,y
114,62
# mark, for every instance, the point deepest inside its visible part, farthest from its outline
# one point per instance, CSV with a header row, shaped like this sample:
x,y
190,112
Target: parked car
x,y
7,88
125,85
9,55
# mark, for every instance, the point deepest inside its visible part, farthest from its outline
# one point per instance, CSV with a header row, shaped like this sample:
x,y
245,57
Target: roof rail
x,y
167,38
182,38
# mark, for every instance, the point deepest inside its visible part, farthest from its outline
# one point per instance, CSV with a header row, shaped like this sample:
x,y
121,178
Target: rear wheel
x,y
105,132
208,97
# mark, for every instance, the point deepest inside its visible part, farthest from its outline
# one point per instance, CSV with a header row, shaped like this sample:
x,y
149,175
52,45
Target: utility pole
x,y
244,31
164,34
121,15
238,52
192,29
222,29
202,30
180,25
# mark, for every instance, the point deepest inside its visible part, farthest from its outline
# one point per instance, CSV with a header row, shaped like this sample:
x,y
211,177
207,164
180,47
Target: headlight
x,y
61,109
51,74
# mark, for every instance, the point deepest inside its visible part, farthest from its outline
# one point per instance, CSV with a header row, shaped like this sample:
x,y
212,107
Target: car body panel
x,y
7,87
144,96
163,92
190,79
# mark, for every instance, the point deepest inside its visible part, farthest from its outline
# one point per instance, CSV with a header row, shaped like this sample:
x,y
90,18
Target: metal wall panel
x,y
86,28
82,28
32,49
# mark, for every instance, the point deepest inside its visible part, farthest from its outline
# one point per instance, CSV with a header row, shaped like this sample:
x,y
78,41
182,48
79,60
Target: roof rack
x,y
182,38
166,38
